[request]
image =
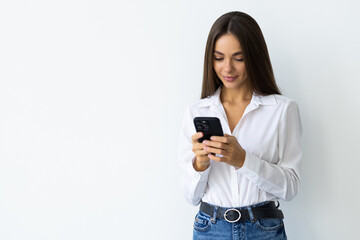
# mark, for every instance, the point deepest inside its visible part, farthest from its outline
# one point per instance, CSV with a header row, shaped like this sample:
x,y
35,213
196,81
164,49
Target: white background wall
x,y
91,98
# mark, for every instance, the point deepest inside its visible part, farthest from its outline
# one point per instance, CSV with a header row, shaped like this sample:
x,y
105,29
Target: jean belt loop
x,y
251,214
213,219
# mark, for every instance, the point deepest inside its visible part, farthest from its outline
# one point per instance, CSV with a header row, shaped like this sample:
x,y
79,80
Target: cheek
x,y
242,69
216,67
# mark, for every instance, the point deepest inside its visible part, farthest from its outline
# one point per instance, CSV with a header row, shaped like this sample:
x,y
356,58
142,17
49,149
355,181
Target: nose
x,y
228,67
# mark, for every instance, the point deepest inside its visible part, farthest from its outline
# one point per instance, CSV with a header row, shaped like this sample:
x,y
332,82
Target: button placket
x,y
234,188
234,176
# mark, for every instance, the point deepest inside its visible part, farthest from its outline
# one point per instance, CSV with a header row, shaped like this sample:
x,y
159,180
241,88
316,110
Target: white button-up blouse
x,y
269,132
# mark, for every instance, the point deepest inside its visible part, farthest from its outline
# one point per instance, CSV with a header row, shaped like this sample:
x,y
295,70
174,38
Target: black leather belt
x,y
232,215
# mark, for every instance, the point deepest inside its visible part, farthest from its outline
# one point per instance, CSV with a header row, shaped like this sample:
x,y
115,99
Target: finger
x,y
201,152
225,139
202,157
215,150
198,146
215,158
196,136
216,144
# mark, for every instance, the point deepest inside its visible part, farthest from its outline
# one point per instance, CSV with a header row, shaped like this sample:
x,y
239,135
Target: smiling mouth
x,y
230,78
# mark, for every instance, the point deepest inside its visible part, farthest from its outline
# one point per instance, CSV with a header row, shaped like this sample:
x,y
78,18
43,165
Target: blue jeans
x,y
208,228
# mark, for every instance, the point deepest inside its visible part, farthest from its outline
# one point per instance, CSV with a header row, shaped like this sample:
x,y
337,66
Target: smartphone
x,y
209,126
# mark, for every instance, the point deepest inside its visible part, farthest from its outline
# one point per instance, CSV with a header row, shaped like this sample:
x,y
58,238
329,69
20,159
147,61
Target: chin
x,y
231,85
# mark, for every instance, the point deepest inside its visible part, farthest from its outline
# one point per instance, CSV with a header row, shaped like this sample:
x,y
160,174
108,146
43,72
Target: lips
x,y
230,78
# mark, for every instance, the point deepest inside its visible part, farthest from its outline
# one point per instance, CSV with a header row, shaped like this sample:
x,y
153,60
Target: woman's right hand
x,y
202,161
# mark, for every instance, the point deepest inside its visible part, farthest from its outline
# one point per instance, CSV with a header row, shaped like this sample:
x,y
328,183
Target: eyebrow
x,y
237,53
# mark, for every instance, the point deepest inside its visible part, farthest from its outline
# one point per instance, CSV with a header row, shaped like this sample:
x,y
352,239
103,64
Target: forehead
x,y
227,43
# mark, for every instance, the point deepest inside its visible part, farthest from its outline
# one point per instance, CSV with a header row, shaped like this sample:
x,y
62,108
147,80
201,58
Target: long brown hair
x,y
255,52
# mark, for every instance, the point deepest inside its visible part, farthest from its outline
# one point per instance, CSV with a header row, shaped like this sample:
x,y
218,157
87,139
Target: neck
x,y
236,95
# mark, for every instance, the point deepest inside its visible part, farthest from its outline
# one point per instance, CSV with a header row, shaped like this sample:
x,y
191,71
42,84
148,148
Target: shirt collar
x,y
256,99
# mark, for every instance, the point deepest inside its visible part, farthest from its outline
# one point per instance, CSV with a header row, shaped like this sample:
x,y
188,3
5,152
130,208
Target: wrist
x,y
200,167
241,161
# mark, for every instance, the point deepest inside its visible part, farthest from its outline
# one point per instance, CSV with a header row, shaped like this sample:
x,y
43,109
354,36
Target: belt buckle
x,y
231,212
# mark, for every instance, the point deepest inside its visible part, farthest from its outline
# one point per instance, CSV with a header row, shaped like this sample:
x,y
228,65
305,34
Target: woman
x,y
238,178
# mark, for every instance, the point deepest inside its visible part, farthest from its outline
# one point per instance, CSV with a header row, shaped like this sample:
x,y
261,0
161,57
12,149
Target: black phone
x,y
209,126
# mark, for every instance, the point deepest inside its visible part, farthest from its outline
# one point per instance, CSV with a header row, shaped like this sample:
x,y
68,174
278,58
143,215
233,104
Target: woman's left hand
x,y
227,146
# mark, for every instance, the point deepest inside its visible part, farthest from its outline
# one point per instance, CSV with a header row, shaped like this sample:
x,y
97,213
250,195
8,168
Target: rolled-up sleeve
x,y
283,178
192,182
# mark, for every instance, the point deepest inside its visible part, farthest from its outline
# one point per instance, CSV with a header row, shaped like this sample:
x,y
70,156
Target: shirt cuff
x,y
199,176
251,165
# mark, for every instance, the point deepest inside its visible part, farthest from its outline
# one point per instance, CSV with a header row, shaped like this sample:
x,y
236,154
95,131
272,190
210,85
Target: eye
x,y
218,59
239,60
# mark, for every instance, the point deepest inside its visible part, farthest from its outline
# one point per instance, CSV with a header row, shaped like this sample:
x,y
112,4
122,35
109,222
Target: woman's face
x,y
228,61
